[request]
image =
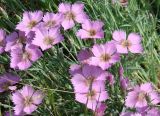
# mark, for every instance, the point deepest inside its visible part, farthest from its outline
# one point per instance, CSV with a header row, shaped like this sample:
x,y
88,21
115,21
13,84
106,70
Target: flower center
x,y
48,40
5,85
91,94
141,96
89,81
50,24
28,101
105,57
70,16
32,24
92,32
26,56
126,43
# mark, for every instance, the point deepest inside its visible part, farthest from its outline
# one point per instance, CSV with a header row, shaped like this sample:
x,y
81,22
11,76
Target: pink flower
x,y
72,13
26,100
84,55
138,97
22,58
87,76
100,111
124,44
104,55
94,96
45,39
16,39
2,40
51,20
91,29
30,21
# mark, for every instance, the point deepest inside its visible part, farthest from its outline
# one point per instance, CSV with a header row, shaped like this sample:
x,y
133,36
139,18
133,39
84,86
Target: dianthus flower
x,y
104,55
72,13
22,58
26,100
124,44
45,39
91,30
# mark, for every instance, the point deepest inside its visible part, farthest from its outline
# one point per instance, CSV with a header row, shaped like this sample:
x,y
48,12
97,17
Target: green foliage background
x,y
50,73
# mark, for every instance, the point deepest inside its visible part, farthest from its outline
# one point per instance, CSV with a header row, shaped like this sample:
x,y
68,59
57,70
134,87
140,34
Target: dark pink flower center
x,y
5,85
70,16
126,43
105,57
141,96
32,24
26,56
28,101
91,94
92,32
50,23
48,40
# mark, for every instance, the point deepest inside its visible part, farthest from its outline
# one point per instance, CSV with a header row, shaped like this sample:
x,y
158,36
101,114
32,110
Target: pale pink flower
x,y
104,55
124,44
138,96
87,76
30,21
22,58
45,39
26,100
51,20
92,97
91,29
72,13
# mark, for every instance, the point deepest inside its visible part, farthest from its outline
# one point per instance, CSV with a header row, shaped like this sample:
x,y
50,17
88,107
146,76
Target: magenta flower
x,y
104,55
2,40
26,100
45,39
16,39
84,55
138,97
87,76
22,58
124,44
30,21
153,112
51,20
72,13
8,80
100,111
92,97
91,29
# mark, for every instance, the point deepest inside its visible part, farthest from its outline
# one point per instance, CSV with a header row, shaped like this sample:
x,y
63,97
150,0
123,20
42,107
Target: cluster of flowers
x,y
25,100
89,77
38,32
